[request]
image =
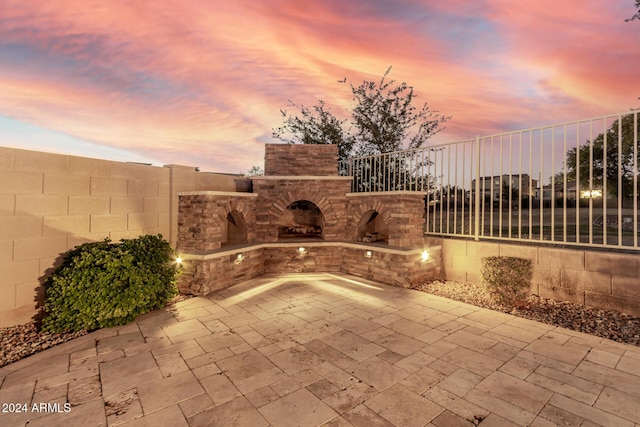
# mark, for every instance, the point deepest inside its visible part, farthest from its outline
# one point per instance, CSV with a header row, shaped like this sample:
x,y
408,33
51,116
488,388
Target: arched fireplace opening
x,y
236,232
302,219
372,228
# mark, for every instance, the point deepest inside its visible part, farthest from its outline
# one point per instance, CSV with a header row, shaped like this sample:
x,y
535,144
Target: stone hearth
x,y
301,217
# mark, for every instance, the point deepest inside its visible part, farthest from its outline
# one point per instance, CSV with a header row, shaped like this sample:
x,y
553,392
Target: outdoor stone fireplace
x,y
302,217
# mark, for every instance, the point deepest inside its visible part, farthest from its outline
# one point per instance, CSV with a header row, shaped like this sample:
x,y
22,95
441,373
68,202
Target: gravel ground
x,y
18,342
602,323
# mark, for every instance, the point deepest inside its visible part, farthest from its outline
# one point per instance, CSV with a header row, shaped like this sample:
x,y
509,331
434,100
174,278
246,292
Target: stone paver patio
x,y
327,349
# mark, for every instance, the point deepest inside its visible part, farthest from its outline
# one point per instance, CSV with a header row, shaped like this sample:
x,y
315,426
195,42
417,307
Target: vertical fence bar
x,y
521,176
564,189
530,184
553,184
578,186
510,195
620,188
541,185
477,198
591,182
604,185
455,193
635,178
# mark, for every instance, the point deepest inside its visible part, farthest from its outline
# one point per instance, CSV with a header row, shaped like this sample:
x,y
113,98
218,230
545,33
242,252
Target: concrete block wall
x,y
300,159
50,203
596,278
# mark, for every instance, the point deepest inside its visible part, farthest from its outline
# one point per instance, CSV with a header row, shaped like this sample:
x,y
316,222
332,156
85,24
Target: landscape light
x,y
179,260
239,256
425,255
302,250
368,254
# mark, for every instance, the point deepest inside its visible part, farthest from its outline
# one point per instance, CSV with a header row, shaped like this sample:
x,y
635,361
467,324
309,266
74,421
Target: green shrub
x,y
507,278
105,284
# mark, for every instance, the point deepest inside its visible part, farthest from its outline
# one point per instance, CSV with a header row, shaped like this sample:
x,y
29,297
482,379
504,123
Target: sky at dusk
x,y
201,83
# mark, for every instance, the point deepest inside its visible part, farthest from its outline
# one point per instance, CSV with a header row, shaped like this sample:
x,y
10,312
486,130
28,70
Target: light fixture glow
x,y
239,256
368,254
179,260
425,255
302,250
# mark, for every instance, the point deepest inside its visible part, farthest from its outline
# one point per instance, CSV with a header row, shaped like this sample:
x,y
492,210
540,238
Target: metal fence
x,y
574,183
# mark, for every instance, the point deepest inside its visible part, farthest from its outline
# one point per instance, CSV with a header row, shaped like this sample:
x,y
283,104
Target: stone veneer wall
x,y
300,159
401,211
203,217
277,193
203,274
594,278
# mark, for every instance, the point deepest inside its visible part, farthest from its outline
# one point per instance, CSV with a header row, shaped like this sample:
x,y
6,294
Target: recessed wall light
x,y
425,255
302,250
368,254
239,256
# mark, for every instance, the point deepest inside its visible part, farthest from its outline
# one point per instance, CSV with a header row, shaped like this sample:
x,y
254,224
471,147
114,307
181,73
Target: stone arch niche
x,y
301,219
236,229
372,228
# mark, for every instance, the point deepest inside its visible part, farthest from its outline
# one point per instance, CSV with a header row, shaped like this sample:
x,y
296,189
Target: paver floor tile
x,y
459,406
506,410
212,342
122,407
401,344
630,365
449,419
195,405
473,361
516,391
402,407
295,382
295,359
517,333
619,403
378,373
236,413
560,416
519,368
322,388
422,380
219,388
361,416
168,391
613,378
345,341
589,412
350,397
460,382
604,358
300,408
472,341
570,353
250,371
48,367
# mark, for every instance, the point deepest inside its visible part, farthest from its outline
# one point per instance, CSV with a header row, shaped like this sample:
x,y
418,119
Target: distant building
x,y
492,188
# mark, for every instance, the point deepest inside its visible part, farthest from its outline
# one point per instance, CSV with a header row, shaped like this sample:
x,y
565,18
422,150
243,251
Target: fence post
x,y
477,198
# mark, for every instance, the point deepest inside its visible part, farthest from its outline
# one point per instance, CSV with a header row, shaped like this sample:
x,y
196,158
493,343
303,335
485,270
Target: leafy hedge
x,y
105,284
507,278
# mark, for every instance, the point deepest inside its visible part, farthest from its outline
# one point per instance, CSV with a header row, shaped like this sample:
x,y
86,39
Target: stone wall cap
x,y
391,193
303,177
217,193
218,253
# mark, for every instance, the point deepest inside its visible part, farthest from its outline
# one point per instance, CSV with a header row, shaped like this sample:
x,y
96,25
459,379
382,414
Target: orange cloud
x,y
194,83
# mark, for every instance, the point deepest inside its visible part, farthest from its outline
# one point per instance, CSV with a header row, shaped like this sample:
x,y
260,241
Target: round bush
x,y
106,284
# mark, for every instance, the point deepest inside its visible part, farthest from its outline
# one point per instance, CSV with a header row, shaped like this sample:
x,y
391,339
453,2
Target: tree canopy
x,y
383,118
592,154
637,14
